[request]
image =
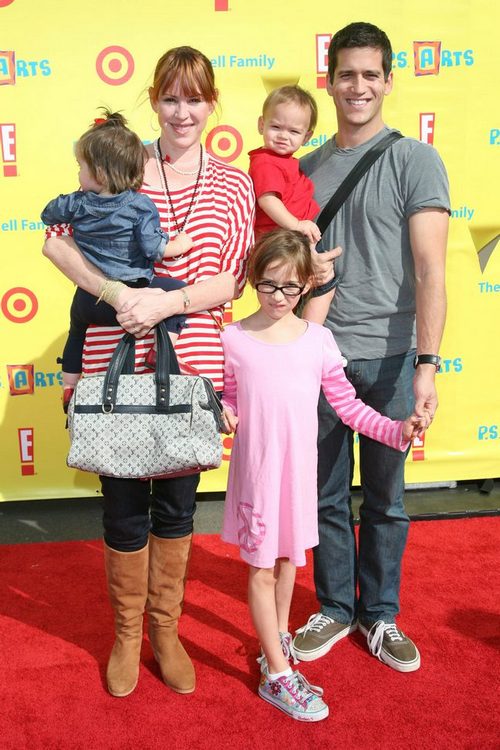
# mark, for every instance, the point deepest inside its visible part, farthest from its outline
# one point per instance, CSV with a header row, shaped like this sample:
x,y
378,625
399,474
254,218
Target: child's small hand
x,y
230,420
310,229
415,426
178,245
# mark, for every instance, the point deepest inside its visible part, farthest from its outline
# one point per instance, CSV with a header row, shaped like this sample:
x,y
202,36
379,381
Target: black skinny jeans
x,y
134,507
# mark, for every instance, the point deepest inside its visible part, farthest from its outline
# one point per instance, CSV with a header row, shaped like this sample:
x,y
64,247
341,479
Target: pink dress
x,y
271,500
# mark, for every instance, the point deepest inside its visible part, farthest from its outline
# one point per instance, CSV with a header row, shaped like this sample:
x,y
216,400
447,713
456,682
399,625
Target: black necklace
x,y
165,184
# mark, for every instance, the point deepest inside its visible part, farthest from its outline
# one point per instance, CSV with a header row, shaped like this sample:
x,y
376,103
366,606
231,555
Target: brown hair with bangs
x,y
284,247
188,68
295,94
114,154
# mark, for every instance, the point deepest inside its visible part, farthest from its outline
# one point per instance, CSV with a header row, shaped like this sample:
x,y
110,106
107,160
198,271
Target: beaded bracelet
x,y
110,291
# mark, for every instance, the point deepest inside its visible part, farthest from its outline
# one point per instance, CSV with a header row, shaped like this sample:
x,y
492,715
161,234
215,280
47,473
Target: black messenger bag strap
x,y
352,179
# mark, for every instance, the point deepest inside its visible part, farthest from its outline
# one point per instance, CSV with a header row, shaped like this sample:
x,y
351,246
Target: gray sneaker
x,y
389,644
316,638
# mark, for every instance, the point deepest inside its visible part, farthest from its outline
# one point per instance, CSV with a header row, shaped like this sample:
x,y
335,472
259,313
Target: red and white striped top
x,y
221,226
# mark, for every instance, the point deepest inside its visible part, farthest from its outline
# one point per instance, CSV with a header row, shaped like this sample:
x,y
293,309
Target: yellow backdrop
x,y
61,61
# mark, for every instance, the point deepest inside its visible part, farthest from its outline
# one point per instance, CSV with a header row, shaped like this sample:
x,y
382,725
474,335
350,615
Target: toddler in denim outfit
x,y
115,227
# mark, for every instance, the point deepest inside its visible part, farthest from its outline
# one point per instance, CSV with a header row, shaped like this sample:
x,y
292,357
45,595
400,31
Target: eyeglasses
x,y
289,290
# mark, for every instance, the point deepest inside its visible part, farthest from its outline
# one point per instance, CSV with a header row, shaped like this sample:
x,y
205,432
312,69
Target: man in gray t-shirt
x,y
389,306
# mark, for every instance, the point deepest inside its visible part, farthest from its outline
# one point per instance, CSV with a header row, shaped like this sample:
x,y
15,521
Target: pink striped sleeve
x,y
351,410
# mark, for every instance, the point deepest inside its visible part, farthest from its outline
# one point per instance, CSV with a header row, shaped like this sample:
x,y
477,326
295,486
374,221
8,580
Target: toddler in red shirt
x,y
284,194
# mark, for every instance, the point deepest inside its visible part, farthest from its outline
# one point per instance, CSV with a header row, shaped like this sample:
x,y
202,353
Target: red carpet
x,y
56,633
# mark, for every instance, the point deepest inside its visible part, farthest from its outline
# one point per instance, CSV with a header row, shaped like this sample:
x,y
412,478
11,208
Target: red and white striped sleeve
x,y
241,219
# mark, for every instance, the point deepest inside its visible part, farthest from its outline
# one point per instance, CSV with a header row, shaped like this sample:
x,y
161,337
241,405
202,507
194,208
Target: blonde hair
x,y
285,247
114,154
188,68
295,94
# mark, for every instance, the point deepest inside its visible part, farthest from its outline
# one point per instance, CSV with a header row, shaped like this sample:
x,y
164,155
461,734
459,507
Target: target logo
x,y
115,65
19,305
225,143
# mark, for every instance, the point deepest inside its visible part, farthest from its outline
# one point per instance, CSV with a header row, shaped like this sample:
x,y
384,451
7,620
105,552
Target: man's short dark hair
x,y
360,34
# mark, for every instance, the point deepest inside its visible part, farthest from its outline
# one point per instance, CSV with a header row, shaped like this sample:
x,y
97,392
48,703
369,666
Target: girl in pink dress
x,y
275,366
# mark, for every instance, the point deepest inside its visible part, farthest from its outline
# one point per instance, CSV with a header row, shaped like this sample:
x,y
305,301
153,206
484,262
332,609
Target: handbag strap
x,y
166,364
349,183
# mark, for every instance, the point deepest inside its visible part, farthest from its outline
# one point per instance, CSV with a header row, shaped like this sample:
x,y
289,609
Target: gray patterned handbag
x,y
138,426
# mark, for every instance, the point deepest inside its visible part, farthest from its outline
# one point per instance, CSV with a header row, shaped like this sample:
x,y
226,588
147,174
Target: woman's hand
x,y
139,310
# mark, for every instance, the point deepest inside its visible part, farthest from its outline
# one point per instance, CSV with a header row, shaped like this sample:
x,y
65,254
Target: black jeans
x,y
134,507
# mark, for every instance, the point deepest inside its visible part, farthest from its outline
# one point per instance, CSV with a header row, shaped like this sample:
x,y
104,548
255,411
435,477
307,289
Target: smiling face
x,y
358,89
285,127
182,118
278,305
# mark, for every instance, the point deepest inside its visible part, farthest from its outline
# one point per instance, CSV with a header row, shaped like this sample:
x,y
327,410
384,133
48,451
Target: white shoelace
x,y
315,623
287,646
299,683
288,651
376,634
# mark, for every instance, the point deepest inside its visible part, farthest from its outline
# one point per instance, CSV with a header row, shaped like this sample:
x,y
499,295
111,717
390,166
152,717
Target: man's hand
x,y
424,388
324,269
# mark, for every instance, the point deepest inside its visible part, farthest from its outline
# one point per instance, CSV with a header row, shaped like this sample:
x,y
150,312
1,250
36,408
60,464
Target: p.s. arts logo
x,y
12,68
23,379
429,58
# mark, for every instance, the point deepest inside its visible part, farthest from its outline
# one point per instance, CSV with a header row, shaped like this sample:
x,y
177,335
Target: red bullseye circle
x,y
225,143
19,300
115,60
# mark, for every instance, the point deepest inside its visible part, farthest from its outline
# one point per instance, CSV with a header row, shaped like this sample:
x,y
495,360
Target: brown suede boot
x,y
168,564
127,575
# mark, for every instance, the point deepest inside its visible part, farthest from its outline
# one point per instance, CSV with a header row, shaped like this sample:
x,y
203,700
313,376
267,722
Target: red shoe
x,y
66,398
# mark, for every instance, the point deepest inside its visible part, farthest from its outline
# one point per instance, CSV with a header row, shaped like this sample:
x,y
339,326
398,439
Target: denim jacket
x,y
120,234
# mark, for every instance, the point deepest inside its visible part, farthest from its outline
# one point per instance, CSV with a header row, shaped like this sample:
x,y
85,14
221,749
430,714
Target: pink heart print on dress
x,y
253,529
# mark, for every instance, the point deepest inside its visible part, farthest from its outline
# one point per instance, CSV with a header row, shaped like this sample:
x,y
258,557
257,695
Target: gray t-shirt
x,y
373,311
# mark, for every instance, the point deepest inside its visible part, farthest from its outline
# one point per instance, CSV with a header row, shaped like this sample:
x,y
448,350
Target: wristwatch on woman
x,y
427,359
